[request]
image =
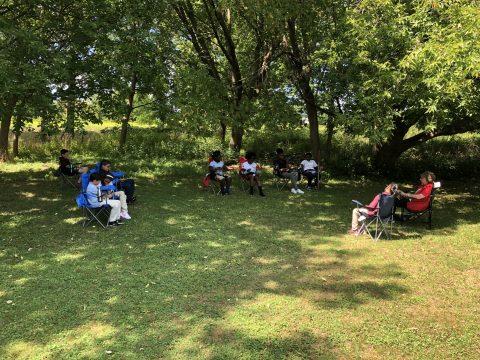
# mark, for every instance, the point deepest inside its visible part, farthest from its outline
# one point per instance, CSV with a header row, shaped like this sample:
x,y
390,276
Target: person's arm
x,y
374,203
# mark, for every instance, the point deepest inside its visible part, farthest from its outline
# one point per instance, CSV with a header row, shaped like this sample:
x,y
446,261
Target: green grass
x,y
194,275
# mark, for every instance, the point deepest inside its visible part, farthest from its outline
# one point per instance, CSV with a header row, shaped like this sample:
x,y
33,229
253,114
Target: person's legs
x,y
123,205
293,176
251,180
115,212
259,184
356,220
310,176
228,182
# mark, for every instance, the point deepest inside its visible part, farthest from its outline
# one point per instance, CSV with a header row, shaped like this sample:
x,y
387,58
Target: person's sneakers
x,y
293,191
115,223
261,193
300,191
125,215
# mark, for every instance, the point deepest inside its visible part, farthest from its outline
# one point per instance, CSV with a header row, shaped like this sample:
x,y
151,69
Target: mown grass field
x,y
194,275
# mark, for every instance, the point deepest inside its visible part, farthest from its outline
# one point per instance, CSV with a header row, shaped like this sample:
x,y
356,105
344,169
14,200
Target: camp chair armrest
x,y
107,188
358,203
118,174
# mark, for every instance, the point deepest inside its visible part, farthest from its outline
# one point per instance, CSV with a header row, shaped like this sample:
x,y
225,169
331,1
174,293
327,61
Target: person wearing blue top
x,y
96,199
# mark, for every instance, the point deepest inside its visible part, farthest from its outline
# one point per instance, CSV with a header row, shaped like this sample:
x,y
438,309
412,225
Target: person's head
x,y
105,165
217,155
250,156
427,177
108,179
64,153
95,178
280,153
391,188
308,156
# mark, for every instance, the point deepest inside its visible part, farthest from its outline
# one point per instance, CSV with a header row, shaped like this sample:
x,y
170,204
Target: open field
x,y
194,275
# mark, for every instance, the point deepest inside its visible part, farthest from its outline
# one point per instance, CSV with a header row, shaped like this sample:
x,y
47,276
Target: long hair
x,y
429,176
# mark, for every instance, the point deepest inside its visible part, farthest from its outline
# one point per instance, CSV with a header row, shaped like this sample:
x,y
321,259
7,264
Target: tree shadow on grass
x,y
178,284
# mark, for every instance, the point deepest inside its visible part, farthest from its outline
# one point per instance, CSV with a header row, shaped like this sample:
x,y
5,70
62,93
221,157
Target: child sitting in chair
x,y
359,214
217,169
96,199
66,166
120,195
249,171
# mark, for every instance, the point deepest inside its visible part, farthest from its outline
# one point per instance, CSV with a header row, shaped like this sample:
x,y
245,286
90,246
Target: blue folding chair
x,y
93,213
117,174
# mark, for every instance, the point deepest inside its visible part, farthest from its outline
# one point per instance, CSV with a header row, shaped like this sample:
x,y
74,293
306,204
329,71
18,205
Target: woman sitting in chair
x,y
361,213
420,200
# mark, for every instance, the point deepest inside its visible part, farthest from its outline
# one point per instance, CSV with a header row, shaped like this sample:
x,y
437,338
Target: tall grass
x,y
450,157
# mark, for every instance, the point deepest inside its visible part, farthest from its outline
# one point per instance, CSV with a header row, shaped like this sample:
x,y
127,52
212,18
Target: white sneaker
x,y
124,215
293,191
300,191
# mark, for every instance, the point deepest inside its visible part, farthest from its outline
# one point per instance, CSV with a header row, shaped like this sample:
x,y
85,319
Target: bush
x,y
149,149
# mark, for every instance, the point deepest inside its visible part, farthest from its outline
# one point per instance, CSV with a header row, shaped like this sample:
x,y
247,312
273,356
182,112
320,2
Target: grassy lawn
x,y
194,275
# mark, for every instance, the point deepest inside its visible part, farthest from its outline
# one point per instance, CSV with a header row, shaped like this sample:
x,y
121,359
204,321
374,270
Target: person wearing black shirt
x,y
282,169
66,166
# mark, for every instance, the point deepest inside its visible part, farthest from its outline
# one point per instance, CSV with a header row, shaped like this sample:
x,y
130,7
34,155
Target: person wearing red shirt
x,y
359,214
419,200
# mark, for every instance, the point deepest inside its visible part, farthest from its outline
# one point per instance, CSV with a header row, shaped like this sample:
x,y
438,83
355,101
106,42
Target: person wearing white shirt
x,y
309,169
217,168
249,171
96,199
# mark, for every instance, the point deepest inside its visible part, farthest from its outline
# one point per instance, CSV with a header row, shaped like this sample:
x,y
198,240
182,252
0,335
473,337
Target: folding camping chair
x,y
279,180
91,213
65,179
380,220
407,215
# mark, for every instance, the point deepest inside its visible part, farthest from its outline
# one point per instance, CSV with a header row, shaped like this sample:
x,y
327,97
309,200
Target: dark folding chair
x,y
407,215
381,222
91,213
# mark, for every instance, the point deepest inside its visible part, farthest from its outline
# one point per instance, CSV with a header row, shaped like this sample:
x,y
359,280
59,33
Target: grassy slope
x,y
199,276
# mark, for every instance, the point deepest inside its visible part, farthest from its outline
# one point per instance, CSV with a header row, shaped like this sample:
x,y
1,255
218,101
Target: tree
x,y
232,41
24,59
418,77
134,60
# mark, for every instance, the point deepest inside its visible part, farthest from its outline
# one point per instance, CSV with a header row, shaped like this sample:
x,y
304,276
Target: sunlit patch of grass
x,y
194,275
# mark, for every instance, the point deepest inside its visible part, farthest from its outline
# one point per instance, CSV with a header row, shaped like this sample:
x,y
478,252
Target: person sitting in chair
x,y
66,166
282,169
120,195
309,169
360,213
251,173
97,199
420,200
127,185
217,169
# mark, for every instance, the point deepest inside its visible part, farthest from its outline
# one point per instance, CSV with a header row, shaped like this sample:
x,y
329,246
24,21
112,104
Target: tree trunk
x,y
70,124
16,137
223,132
6,120
126,119
237,138
313,127
389,152
328,145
